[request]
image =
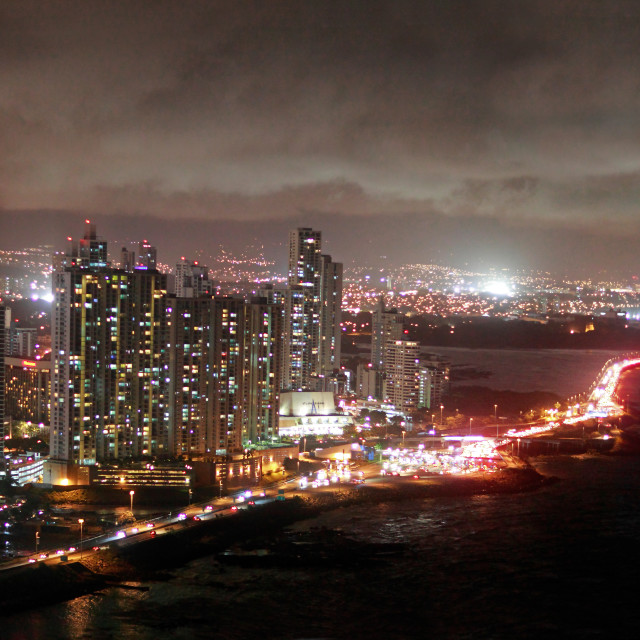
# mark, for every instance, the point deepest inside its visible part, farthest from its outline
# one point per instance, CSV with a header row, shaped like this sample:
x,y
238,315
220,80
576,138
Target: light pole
x,y
220,488
403,432
495,411
37,541
470,421
131,500
81,522
441,408
190,494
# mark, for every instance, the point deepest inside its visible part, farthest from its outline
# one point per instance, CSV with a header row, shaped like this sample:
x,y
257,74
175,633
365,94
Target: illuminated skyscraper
x,y
224,374
108,353
263,358
401,368
189,407
4,318
331,317
28,389
312,338
305,271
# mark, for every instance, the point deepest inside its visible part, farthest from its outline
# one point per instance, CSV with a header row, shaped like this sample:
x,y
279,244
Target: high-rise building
x,y
401,380
28,386
189,407
127,259
192,280
331,317
312,310
263,358
146,256
386,324
433,383
5,316
290,300
21,341
366,379
223,373
305,271
88,251
108,354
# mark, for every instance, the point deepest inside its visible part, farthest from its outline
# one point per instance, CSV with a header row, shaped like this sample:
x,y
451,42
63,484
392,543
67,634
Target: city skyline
x,y
483,135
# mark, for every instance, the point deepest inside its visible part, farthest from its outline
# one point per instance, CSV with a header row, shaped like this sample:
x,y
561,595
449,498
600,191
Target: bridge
x,y
602,398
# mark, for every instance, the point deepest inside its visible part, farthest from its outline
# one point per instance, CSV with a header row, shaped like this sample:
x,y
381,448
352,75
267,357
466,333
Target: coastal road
x,y
189,516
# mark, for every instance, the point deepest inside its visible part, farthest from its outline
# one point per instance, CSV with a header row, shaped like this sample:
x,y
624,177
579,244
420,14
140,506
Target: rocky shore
x,y
153,560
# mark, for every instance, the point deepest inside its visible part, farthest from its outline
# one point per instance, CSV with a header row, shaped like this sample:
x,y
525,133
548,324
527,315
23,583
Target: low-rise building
x,y
305,413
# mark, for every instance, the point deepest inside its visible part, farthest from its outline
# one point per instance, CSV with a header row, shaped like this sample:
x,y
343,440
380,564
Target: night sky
x,y
487,133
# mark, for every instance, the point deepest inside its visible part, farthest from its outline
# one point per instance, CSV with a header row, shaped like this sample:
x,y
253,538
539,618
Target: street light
x,y
131,500
80,522
190,494
495,411
441,408
220,488
470,421
37,541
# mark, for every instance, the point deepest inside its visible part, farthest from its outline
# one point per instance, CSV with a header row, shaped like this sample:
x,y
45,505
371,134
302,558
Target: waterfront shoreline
x,y
140,562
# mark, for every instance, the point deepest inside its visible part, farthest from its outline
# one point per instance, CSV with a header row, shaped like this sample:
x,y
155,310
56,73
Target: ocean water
x,y
566,372
557,562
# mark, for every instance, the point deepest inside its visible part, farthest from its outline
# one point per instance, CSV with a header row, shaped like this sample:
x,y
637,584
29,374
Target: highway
x,y
138,531
189,516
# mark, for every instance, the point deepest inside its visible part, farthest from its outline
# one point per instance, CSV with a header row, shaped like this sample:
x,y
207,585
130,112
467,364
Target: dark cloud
x,y
525,112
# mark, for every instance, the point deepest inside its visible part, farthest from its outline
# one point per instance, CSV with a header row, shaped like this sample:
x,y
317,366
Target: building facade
x,y
312,313
401,380
5,316
28,390
108,357
305,271
331,318
192,280
223,374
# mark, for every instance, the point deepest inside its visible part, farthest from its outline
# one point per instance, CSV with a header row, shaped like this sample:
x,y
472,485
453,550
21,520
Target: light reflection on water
x,y
549,563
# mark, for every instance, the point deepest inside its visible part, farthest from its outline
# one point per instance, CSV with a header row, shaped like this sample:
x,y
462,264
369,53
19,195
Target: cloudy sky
x,y
484,132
